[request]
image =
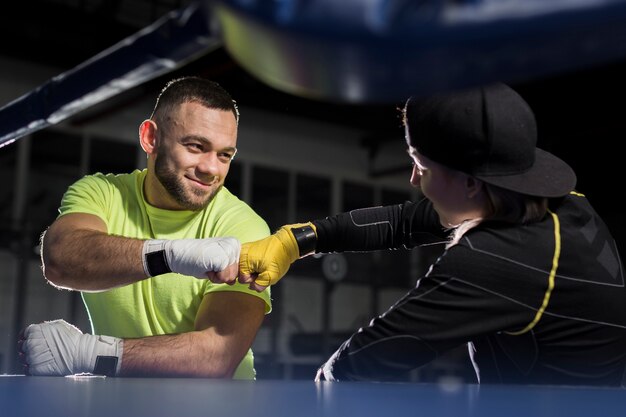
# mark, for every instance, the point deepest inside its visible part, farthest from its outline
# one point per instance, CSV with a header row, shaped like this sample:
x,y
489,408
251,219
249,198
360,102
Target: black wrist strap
x,y
305,238
105,365
157,263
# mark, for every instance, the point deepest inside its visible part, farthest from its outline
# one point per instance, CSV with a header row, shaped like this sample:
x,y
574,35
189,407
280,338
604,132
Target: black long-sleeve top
x,y
542,303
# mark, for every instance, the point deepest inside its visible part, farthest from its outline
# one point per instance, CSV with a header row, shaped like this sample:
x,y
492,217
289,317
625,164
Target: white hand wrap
x,y
192,257
58,348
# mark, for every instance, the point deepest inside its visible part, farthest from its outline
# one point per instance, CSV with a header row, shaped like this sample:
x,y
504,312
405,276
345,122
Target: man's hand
x,y
264,262
58,348
212,258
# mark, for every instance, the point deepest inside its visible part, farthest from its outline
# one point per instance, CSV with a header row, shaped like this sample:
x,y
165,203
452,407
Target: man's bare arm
x,y
226,325
77,253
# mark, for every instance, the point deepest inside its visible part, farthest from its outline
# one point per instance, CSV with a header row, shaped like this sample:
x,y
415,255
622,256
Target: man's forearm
x,y
90,260
226,325
193,354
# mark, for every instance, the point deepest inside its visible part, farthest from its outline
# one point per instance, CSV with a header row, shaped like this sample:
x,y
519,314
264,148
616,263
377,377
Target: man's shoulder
x,y
122,182
227,201
128,177
102,191
233,210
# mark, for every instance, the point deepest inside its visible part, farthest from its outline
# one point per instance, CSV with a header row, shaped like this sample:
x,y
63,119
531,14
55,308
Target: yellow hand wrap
x,y
271,257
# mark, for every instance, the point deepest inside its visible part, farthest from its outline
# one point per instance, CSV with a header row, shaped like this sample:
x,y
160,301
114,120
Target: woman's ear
x,y
147,136
473,185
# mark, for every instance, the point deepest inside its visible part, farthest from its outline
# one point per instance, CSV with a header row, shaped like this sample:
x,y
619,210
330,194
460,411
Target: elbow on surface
x,y
221,367
52,273
51,266
213,356
221,371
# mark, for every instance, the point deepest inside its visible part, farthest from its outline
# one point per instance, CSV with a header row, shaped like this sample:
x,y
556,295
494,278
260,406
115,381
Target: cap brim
x,y
548,177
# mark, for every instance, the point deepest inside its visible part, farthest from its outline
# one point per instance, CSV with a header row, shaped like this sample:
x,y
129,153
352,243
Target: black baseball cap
x,y
488,132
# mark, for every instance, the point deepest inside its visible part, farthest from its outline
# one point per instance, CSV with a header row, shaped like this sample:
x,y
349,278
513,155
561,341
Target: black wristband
x,y
105,365
305,238
156,263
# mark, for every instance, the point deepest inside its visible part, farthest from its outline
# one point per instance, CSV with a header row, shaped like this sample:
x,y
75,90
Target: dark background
x,y
579,113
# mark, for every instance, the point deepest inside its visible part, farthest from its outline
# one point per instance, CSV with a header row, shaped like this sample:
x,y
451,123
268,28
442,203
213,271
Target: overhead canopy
x,y
353,51
384,50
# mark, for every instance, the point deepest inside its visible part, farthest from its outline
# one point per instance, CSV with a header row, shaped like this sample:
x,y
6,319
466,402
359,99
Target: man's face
x,y
193,155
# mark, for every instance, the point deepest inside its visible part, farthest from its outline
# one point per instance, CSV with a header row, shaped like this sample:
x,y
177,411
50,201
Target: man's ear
x,y
473,185
147,136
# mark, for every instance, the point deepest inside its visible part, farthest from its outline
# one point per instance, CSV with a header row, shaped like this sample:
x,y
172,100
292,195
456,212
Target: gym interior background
x,y
298,159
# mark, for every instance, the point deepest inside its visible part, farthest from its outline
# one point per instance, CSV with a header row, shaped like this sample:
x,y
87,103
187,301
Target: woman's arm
x,y
386,227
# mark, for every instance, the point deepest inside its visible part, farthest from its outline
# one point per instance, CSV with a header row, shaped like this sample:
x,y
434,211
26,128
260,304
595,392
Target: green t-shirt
x,y
168,303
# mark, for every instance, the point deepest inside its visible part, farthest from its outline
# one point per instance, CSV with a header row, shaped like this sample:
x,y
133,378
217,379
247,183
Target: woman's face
x,y
456,196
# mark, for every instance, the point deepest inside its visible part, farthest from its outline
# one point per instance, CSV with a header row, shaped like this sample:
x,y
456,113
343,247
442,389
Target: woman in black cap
x,y
531,278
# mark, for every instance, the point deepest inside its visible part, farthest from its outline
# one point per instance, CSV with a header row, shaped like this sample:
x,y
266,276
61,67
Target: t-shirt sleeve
x,y
87,195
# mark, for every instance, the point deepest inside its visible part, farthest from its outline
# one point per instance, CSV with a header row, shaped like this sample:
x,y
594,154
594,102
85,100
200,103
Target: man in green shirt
x,y
155,254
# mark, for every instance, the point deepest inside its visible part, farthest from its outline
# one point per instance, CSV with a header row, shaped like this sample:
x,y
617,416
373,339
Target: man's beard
x,y
175,188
